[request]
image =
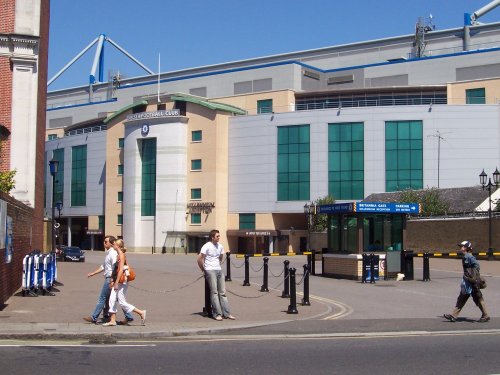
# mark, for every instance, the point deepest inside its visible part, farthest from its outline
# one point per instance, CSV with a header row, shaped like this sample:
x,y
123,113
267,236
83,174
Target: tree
x,y
7,182
430,201
320,222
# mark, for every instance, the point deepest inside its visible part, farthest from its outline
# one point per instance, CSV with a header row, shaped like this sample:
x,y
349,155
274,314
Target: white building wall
x,y
142,233
471,141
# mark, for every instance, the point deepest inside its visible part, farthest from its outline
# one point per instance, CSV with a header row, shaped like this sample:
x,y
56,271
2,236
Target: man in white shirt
x,y
209,261
107,268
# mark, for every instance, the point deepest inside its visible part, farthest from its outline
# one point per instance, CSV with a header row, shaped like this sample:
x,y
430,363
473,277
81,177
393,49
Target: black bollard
x,y
372,268
427,273
313,263
309,260
292,308
246,282
305,300
286,283
228,267
365,267
207,310
264,287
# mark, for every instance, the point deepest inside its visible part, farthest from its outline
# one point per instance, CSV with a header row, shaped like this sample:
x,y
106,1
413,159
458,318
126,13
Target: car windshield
x,y
72,250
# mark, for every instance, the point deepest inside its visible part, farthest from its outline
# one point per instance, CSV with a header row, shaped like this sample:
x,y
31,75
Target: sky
x,y
194,33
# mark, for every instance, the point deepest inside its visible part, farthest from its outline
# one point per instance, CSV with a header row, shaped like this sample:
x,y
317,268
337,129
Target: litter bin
x,y
407,264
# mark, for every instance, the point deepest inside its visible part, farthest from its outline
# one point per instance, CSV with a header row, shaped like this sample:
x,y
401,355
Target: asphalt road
x,y
453,353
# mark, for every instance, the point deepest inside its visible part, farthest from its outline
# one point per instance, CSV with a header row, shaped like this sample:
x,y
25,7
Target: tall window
x,y
247,221
148,185
475,96
120,169
346,160
265,106
121,142
119,219
79,176
403,155
101,222
58,154
52,137
119,197
293,163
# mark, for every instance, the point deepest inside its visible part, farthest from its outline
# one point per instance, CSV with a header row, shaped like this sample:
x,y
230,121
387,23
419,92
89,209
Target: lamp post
x,y
53,166
309,211
59,206
496,180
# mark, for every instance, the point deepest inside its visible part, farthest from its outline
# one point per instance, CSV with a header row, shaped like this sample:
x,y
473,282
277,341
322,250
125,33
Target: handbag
x,y
128,273
481,282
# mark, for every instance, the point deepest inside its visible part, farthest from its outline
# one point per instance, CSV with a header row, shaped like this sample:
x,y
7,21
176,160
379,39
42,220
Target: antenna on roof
x,y
438,135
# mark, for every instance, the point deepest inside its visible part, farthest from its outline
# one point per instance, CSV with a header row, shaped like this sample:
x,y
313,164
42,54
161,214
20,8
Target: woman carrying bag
x,y
119,289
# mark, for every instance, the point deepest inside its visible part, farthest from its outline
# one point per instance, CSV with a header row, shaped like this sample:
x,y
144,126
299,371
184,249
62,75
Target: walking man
x,y
469,286
103,300
209,261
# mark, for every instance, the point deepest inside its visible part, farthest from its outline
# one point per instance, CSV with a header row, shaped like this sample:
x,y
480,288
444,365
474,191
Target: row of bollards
x,y
289,284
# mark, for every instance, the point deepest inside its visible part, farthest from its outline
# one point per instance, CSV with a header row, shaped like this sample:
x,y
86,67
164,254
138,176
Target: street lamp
x,y
59,206
496,180
309,211
53,166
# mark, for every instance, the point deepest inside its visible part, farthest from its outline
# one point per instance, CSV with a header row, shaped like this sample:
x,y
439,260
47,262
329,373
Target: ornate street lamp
x,y
489,186
53,166
309,211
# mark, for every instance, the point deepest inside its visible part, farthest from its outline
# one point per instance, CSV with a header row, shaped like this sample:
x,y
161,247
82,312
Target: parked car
x,y
60,252
73,254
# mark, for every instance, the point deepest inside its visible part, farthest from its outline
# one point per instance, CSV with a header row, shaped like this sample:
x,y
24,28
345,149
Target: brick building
x,y
24,30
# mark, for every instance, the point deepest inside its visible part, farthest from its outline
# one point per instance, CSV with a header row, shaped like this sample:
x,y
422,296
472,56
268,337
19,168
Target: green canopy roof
x,y
124,109
208,104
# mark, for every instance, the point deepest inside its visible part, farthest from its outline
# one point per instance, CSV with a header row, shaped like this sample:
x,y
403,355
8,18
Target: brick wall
x,y
443,235
11,273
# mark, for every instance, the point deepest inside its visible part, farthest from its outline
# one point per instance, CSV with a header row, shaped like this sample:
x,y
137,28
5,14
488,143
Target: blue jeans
x,y
217,285
103,302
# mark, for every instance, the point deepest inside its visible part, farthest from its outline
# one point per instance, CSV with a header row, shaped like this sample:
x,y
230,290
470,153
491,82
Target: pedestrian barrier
x,y
39,274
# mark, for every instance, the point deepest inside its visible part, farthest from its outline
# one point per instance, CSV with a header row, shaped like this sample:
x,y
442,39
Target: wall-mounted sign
x,y
94,231
155,114
145,130
199,207
370,207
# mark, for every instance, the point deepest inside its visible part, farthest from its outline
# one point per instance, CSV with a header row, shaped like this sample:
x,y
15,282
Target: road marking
x,y
345,310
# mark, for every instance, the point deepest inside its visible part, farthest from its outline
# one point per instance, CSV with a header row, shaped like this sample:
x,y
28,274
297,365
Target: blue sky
x,y
192,33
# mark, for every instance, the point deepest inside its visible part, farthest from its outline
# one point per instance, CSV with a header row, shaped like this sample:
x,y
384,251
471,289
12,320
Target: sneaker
x,y
230,317
484,319
218,317
90,320
143,319
109,324
450,317
123,322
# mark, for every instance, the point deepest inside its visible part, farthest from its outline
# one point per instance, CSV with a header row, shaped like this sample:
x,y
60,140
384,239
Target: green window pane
x,y
119,198
196,164
101,222
391,130
416,160
265,106
416,130
404,159
148,177
79,176
283,135
121,142
247,221
404,130
195,218
391,144
196,193
333,132
358,132
475,96
120,169
119,219
196,136
345,133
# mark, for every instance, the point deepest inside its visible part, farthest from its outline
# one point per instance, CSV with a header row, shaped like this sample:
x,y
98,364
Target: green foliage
x,y
320,223
431,202
7,182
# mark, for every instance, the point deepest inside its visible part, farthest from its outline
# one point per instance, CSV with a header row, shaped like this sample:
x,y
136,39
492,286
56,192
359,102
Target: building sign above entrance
x,y
155,114
370,207
199,207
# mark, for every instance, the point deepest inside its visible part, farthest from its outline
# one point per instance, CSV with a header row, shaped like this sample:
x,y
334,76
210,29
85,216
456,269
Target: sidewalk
x,y
169,287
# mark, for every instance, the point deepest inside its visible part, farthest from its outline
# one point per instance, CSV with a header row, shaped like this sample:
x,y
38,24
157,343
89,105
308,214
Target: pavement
x,y
171,289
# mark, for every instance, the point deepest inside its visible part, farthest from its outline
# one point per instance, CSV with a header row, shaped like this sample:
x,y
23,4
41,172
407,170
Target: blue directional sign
x,y
370,207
